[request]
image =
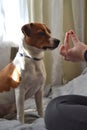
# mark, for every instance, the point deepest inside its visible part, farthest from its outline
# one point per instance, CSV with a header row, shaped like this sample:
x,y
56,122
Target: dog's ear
x,y
26,30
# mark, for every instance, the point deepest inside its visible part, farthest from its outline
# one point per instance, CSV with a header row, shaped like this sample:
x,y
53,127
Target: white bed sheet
x,y
76,86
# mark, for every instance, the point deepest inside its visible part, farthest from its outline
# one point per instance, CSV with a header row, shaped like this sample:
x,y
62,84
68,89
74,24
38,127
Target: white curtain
x,y
57,31
78,8
13,14
35,10
58,25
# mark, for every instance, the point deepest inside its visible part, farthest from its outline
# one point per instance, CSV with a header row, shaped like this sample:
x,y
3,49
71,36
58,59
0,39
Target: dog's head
x,y
39,36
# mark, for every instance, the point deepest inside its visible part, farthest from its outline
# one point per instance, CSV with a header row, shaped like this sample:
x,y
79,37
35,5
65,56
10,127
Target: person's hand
x,y
75,53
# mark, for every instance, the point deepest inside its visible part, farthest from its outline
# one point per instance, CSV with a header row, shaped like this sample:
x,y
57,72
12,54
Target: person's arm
x,y
76,53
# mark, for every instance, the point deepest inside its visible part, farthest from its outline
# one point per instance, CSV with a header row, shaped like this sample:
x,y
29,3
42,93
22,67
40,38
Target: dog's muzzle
x,y
53,43
56,42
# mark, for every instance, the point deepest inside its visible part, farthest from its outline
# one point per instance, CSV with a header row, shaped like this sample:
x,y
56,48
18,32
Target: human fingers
x,y
74,38
63,50
66,40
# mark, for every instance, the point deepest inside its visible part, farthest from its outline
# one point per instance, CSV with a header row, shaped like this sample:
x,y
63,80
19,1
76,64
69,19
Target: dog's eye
x,y
41,33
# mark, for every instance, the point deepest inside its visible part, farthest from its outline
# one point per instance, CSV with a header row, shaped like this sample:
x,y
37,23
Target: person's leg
x,y
67,113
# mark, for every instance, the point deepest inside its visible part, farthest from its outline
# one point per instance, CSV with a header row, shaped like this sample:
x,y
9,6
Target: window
x,y
13,14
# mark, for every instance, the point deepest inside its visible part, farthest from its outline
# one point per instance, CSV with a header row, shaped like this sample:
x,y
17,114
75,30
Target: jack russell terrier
x,y
26,73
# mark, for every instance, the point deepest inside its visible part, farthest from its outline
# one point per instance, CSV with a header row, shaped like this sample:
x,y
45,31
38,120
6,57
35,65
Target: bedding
x,y
76,86
15,125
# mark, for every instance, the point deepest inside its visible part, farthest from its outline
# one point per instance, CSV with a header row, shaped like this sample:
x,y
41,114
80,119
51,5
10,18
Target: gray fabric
x,y
16,125
76,86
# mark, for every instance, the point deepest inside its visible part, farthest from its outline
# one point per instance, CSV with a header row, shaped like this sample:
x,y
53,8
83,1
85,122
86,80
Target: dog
x,y
26,73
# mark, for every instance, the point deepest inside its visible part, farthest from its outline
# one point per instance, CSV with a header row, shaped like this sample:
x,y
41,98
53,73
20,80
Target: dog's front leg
x,y
19,94
38,100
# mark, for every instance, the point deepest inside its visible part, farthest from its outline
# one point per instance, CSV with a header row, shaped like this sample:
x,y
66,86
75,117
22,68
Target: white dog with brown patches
x,y
27,72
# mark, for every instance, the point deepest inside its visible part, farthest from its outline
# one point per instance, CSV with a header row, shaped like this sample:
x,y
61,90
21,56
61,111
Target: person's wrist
x,y
83,51
85,55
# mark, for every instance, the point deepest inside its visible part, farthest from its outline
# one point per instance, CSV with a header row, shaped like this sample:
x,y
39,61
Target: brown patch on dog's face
x,y
39,36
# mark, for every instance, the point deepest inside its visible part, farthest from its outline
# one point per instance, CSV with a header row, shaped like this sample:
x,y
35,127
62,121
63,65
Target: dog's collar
x,y
33,58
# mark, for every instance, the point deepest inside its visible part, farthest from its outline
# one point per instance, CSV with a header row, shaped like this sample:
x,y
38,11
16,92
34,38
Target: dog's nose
x,y
57,41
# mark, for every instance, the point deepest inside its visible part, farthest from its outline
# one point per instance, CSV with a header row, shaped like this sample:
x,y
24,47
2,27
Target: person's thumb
x,y
63,50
